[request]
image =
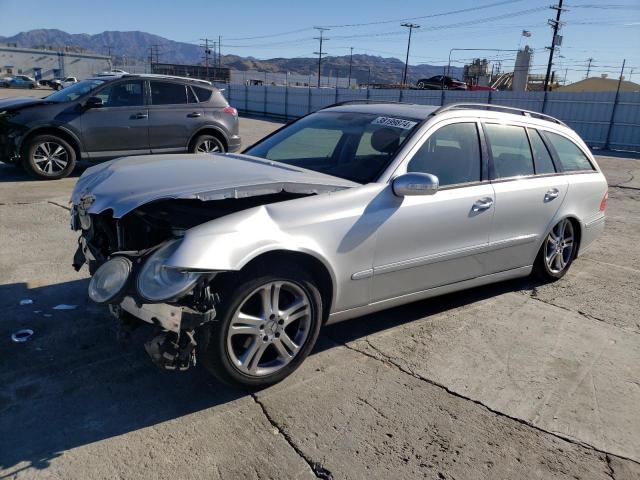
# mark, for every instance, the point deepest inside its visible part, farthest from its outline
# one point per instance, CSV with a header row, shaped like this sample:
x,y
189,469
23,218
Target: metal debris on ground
x,y
64,306
21,336
26,301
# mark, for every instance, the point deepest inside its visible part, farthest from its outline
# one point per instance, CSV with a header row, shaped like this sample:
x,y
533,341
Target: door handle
x,y
551,194
482,204
194,114
140,115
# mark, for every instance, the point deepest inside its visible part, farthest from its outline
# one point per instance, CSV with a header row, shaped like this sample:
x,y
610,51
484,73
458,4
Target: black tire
x,y
541,268
60,168
212,341
31,86
207,144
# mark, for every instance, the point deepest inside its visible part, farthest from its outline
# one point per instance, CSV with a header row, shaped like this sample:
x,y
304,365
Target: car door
x,y
120,125
528,194
172,119
429,241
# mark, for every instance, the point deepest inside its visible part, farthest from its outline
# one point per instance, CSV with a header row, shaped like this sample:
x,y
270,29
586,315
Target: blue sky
x,y
607,31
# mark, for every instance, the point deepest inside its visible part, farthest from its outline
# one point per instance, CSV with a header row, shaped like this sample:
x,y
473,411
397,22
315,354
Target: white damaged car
x,y
239,259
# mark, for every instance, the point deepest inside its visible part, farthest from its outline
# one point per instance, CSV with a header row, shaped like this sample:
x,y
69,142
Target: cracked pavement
x,y
514,380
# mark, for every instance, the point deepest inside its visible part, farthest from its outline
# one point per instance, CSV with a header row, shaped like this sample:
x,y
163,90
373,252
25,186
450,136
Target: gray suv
x,y
107,117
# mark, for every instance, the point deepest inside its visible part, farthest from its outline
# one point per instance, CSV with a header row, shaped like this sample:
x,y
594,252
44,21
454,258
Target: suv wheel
x,y
268,326
48,157
207,144
557,252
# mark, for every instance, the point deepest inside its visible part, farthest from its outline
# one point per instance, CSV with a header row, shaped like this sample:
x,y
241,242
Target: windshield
x,y
353,146
74,91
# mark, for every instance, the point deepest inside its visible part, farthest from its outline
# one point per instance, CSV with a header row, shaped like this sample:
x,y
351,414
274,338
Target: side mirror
x,y
415,184
94,102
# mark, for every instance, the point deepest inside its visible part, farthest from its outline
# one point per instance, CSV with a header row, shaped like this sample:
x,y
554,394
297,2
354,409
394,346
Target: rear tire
x,y
251,347
48,157
557,252
207,144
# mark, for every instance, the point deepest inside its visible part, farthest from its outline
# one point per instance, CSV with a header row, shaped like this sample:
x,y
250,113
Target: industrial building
x,y
41,63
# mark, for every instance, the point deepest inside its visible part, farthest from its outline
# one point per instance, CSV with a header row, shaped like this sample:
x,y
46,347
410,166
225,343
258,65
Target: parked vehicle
x,y
441,82
109,117
19,81
63,83
481,88
347,211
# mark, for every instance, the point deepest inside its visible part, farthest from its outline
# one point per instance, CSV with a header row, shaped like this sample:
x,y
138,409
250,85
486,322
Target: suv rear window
x,y
167,93
510,151
203,94
570,156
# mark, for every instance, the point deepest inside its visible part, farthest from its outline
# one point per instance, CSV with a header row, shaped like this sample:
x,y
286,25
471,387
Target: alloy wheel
x,y
50,157
269,328
209,146
559,246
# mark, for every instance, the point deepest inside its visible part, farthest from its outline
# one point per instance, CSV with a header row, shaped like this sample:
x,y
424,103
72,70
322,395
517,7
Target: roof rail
x,y
365,101
175,77
499,108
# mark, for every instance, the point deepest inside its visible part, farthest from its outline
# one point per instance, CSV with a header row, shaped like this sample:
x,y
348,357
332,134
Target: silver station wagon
x,y
239,259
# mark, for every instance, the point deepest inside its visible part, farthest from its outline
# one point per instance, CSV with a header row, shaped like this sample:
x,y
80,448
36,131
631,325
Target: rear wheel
x,y
48,157
207,144
268,326
557,252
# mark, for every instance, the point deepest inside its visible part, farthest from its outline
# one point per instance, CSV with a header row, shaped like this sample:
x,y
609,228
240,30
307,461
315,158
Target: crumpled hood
x,y
127,183
19,102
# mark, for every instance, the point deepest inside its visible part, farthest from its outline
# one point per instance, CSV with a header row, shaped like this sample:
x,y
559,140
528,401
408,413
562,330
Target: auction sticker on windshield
x,y
394,122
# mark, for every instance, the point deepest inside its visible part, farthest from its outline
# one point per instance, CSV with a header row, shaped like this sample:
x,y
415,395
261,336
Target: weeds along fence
x,y
602,119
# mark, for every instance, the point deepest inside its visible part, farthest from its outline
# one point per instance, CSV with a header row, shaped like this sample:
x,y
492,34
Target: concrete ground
x,y
514,380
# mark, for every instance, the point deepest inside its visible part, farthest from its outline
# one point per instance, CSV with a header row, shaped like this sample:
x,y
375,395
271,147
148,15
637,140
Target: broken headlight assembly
x,y
110,280
156,282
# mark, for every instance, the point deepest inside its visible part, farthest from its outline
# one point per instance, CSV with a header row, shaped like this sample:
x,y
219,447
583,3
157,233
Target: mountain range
x,y
135,46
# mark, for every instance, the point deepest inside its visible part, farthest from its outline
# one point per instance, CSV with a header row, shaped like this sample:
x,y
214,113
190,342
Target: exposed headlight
x,y
156,282
109,280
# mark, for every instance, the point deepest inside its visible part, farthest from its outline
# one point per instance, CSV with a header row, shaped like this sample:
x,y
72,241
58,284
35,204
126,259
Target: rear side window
x,y
451,153
570,156
166,93
510,151
541,156
203,94
191,98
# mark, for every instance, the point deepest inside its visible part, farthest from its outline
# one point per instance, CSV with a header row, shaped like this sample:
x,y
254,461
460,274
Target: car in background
x,y
480,88
19,81
106,117
59,84
441,82
240,260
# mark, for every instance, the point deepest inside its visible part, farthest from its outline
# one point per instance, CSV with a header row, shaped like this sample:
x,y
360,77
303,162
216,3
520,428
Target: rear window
x,y
166,93
510,151
203,94
570,156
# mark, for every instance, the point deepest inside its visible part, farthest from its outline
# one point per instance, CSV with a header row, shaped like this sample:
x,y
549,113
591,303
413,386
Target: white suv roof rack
x,y
175,77
499,108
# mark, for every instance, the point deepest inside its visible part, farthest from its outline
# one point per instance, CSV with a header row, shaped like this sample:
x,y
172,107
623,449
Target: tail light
x,y
603,203
230,110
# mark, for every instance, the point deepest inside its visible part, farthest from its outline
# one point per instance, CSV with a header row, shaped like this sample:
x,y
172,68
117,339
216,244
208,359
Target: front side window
x,y
122,94
451,153
570,156
510,151
168,93
541,156
353,146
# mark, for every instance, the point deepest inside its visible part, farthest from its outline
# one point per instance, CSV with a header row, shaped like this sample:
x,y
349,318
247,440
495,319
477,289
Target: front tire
x,y
557,252
207,144
48,157
269,324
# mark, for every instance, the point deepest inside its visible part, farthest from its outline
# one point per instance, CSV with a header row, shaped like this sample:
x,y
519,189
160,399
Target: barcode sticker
x,y
394,122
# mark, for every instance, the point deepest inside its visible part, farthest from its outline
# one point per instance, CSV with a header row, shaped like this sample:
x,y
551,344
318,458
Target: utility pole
x,y
219,51
350,63
207,52
320,53
589,66
410,26
554,42
564,81
615,105
109,47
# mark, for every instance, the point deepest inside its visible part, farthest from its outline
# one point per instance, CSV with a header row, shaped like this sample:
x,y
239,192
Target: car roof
x,y
410,110
117,76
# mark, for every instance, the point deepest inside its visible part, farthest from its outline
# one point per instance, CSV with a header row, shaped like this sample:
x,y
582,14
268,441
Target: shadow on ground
x,y
72,384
